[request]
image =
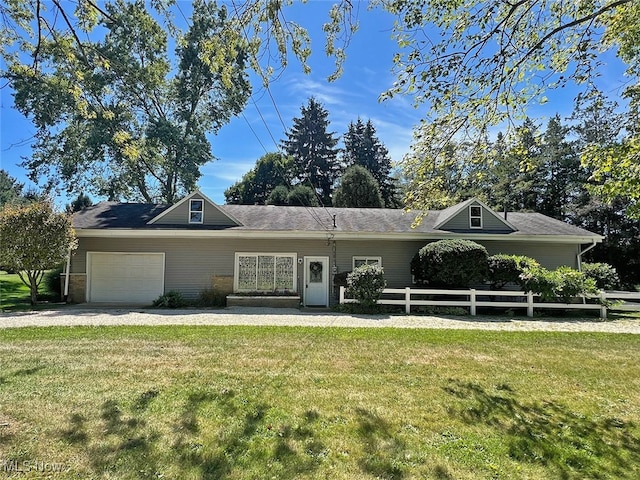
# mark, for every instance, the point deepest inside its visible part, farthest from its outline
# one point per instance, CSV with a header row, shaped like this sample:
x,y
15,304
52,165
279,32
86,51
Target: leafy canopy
x,y
116,114
34,239
476,64
358,189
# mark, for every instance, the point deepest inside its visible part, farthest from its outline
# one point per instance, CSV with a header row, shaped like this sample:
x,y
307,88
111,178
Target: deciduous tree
x,y
484,63
118,116
358,189
272,170
34,239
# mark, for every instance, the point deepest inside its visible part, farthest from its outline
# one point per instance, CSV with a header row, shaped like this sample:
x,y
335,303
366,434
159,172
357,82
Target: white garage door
x,y
125,277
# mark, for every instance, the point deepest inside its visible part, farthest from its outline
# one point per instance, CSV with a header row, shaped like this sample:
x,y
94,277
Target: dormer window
x,y
196,211
475,216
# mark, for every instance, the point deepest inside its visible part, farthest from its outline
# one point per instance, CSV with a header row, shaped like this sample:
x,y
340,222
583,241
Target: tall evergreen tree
x,y
10,189
561,170
313,149
362,147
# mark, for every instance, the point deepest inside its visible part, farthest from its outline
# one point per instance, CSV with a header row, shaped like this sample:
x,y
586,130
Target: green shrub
x,y
53,283
172,299
560,284
450,263
212,298
605,276
505,269
366,284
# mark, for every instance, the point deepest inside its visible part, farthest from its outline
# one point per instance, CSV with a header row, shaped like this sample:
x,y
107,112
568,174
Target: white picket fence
x,y
473,299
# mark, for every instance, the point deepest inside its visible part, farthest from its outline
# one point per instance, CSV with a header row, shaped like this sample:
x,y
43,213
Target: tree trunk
x,y
33,286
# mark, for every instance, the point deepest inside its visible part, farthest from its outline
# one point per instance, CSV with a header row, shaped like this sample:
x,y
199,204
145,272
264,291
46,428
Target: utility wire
x,y
309,208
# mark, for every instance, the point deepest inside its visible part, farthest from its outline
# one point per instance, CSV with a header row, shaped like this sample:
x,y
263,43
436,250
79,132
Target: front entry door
x,y
316,281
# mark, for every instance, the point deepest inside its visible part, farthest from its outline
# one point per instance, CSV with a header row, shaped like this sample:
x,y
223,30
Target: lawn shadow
x,y
21,372
247,441
551,434
382,449
121,442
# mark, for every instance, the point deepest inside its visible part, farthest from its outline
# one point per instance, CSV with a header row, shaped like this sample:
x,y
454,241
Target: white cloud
x,y
229,171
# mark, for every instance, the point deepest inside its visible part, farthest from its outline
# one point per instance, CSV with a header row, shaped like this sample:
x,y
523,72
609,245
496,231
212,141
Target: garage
x,y
125,277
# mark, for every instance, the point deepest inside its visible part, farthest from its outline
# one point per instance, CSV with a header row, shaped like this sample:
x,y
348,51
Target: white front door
x,y
316,281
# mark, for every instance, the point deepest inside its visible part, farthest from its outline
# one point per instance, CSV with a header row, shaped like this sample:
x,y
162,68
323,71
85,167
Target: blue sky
x,y
367,73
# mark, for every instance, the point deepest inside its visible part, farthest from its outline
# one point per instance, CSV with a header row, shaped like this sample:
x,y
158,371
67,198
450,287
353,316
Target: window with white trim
x,y
265,272
475,216
196,210
358,261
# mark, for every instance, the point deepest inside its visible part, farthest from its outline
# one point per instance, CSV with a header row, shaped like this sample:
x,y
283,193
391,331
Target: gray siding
x,y
490,223
180,215
549,255
190,264
396,258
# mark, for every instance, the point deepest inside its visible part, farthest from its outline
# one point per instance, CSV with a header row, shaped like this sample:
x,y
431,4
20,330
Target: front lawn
x,y
15,295
285,403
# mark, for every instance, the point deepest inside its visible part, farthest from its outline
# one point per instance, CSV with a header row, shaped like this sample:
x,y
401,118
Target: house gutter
x,y
322,235
593,244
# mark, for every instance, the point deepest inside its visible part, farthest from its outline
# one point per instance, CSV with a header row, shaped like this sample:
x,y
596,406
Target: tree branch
x,y
565,26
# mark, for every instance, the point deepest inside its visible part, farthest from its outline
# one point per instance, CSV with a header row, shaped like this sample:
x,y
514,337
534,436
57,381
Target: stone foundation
x,y
77,287
222,283
263,301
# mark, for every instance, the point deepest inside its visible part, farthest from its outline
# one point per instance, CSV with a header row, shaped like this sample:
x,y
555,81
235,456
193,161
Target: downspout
x,y
593,244
66,278
579,257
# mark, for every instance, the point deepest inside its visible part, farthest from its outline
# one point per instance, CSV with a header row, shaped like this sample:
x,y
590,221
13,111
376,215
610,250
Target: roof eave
x,y
326,234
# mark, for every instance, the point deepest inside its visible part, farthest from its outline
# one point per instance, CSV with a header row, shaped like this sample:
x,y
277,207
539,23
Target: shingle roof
x,y
117,215
265,218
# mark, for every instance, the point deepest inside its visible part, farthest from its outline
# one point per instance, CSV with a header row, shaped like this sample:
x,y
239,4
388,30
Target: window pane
x,y
476,222
315,272
247,273
266,272
358,262
196,205
284,273
476,211
195,217
373,261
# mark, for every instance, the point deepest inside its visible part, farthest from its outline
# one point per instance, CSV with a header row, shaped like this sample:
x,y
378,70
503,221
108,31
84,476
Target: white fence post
x,y
407,300
603,306
341,294
529,303
472,298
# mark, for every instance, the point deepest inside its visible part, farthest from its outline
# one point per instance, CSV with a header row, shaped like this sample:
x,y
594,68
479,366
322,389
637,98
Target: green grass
x,y
15,295
285,403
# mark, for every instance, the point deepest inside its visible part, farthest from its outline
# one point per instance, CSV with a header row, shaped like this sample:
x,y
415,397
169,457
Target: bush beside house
x,y
366,283
504,269
605,276
450,264
459,263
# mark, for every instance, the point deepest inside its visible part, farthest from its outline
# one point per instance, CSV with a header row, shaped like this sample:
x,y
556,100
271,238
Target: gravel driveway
x,y
84,315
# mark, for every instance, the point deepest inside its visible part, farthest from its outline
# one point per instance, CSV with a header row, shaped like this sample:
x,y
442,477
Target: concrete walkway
x,y
94,315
